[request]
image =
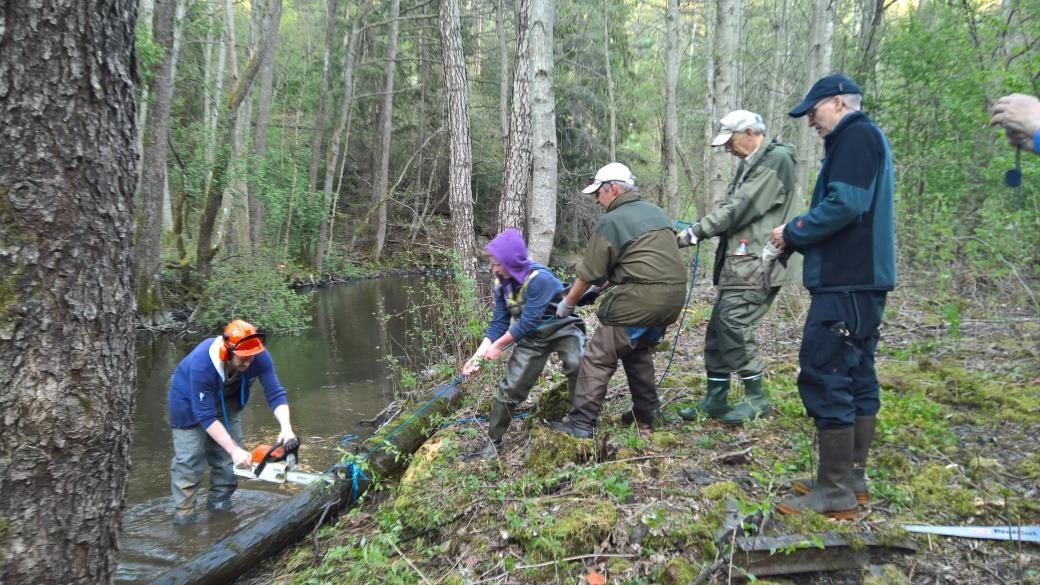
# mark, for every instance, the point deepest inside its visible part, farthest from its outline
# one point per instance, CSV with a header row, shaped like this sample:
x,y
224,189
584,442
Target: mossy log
x,y
246,549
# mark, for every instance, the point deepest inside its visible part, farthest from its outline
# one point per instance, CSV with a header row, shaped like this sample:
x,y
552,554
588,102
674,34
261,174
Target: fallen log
x,y
231,557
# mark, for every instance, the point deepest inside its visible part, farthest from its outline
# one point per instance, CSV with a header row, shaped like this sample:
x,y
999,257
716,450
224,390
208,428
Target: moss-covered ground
x,y
956,444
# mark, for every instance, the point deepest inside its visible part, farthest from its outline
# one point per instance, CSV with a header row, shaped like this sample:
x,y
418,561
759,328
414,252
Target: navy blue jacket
x,y
197,383
848,235
541,291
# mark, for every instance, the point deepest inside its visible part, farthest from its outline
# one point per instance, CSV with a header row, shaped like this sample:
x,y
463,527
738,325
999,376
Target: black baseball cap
x,y
825,87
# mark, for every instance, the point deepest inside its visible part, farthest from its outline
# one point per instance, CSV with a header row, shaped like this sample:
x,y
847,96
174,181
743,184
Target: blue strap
x,y
355,473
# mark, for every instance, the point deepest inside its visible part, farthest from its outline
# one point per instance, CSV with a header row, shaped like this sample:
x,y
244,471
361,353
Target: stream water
x,y
335,376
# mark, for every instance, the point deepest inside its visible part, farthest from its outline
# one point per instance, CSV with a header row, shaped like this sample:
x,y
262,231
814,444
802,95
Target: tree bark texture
x,y
541,220
727,37
385,127
460,167
671,117
67,179
323,95
516,177
821,32
270,20
609,70
503,74
150,302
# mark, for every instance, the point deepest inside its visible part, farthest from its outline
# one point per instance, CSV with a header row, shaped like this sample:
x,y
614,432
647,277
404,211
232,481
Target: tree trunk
x,y
460,168
213,88
611,103
541,219
319,128
503,74
516,177
775,111
818,63
145,16
384,128
727,36
341,135
150,304
67,178
270,19
671,117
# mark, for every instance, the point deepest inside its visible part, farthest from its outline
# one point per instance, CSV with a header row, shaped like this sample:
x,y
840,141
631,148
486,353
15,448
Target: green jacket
x,y
634,248
760,197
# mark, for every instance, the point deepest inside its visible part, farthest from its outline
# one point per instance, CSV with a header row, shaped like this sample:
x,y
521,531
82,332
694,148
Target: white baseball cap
x,y
612,173
733,122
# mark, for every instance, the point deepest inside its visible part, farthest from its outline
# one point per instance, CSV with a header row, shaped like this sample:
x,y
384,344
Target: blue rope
x,y
694,264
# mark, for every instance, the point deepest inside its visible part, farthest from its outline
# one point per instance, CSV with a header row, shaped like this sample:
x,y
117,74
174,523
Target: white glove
x,y
563,310
770,253
689,236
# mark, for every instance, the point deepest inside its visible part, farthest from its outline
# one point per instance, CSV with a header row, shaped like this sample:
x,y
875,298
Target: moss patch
x,y
553,404
678,571
552,451
931,489
549,529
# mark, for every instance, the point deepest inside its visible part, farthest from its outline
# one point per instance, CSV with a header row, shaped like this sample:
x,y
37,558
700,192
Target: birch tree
x,y
460,167
384,128
671,117
67,178
541,216
270,18
719,168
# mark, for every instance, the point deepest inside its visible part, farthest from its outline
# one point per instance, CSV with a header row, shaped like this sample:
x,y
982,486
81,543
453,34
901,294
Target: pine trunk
x,y
460,167
384,128
67,178
671,117
516,178
727,35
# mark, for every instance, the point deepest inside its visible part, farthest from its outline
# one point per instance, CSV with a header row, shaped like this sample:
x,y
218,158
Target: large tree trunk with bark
x,y
460,167
150,302
267,41
727,35
67,178
541,219
516,178
319,127
821,32
384,128
671,117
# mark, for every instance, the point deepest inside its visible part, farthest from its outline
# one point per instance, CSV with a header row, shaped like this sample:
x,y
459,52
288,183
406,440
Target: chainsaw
x,y
276,463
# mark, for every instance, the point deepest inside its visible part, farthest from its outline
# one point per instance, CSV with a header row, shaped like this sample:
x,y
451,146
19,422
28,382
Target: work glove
x,y
760,277
563,310
589,297
688,235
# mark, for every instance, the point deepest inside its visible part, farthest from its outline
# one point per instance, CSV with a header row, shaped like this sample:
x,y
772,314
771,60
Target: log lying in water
x,y
246,549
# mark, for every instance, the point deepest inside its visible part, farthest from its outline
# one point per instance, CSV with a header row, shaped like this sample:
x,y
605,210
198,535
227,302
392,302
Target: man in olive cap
x,y
847,239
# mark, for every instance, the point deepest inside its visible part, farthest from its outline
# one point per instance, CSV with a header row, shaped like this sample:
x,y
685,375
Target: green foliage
x,y
254,290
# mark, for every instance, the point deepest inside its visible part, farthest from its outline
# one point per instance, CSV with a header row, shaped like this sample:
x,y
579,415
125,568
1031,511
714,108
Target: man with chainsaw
x,y
847,239
208,390
633,252
526,295
760,197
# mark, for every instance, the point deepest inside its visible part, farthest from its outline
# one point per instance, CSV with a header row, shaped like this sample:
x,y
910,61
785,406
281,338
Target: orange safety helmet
x,y
241,339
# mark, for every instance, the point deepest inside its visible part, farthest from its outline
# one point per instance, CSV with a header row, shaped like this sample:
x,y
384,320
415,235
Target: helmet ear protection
x,y
230,347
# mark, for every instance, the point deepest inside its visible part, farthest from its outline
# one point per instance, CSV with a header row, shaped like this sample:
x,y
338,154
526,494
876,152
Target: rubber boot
x,y
754,405
864,437
571,428
498,423
832,495
654,421
714,402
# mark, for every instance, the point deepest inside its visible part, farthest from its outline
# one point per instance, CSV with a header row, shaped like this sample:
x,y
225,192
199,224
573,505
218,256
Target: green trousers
x,y
531,353
730,344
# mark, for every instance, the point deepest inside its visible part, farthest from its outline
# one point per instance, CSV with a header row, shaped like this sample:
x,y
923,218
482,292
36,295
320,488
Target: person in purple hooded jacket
x,y
526,294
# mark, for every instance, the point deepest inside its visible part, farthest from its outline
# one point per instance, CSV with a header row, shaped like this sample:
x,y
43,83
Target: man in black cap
x,y
847,239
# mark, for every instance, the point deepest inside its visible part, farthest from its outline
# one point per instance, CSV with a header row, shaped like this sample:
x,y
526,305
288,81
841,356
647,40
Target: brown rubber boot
x,y
864,437
831,495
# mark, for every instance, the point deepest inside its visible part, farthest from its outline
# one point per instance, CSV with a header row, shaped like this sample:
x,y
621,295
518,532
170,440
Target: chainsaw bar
x,y
280,472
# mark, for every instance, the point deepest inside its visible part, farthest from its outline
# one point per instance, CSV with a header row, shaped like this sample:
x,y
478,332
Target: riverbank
x,y
960,410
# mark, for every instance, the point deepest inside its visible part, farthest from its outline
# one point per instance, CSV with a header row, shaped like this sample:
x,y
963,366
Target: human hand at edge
x,y
1017,113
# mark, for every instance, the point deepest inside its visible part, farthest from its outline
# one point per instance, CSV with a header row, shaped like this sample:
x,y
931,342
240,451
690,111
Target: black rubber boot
x,y
570,428
653,421
831,496
714,403
754,405
864,437
498,420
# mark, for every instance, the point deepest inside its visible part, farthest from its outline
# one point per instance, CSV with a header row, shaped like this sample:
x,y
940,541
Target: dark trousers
x,y
608,345
837,381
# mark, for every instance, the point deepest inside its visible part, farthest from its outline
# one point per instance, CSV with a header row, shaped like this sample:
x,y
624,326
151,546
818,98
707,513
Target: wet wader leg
x,y
569,345
222,478
597,367
639,367
186,470
522,371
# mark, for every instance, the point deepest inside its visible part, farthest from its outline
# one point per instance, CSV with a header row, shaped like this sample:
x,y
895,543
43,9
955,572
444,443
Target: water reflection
x,y
334,376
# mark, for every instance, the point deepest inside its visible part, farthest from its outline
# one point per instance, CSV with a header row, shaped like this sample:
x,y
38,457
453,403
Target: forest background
x,y
328,137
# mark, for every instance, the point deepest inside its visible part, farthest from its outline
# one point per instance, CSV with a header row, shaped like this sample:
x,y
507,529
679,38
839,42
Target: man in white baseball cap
x,y
737,121
612,173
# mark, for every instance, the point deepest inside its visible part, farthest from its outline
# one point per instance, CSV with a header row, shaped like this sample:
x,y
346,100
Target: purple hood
x,y
509,249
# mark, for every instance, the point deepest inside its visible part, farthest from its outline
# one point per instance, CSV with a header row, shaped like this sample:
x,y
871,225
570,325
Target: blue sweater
x,y
196,384
848,235
540,292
